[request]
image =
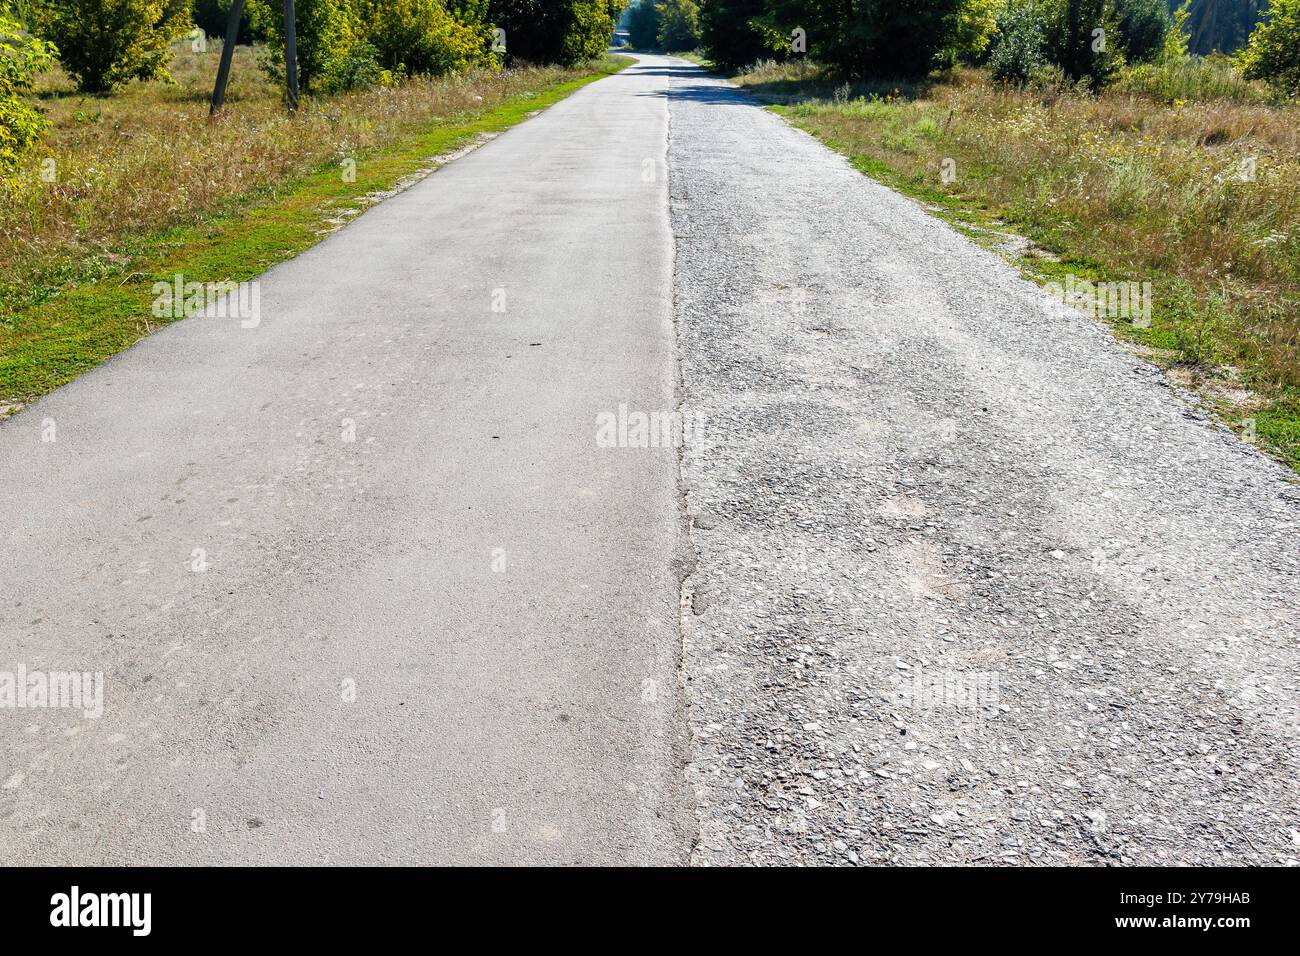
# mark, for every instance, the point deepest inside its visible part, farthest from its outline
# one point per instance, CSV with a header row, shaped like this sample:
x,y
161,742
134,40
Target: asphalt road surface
x,y
941,574
400,498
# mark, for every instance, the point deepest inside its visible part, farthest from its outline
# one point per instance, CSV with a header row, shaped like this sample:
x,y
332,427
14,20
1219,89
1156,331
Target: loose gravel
x,y
973,585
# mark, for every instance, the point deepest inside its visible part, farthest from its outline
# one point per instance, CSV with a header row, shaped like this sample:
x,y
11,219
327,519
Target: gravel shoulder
x,y
972,585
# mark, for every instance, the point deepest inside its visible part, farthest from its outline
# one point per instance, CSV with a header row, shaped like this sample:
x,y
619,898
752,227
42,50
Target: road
x,y
973,585
948,575
498,594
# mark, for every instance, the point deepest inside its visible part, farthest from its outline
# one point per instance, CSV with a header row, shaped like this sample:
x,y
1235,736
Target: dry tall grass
x,y
149,158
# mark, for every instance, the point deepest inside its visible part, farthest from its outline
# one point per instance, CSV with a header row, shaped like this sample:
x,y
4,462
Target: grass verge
x,y
67,304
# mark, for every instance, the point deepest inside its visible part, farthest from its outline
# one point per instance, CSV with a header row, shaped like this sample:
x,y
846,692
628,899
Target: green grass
x,y
89,309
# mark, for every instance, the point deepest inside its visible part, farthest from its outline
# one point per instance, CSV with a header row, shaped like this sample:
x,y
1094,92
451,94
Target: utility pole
x,y
291,55
228,54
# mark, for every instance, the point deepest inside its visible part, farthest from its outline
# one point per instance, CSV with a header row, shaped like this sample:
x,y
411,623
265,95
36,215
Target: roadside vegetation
x,y
1139,163
113,177
672,26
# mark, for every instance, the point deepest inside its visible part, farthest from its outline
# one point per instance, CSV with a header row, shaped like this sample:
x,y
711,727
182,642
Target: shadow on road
x,y
786,91
700,92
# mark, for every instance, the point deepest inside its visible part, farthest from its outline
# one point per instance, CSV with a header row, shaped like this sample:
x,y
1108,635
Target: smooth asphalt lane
x,y
363,585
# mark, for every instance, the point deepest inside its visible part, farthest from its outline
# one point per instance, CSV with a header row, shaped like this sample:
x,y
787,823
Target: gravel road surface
x,y
973,586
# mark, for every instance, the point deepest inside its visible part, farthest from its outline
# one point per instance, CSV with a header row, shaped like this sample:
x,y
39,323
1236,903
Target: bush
x,y
972,32
105,43
21,58
590,30
358,69
1020,45
404,37
1177,39
1273,52
1074,42
423,36
679,25
1064,32
729,35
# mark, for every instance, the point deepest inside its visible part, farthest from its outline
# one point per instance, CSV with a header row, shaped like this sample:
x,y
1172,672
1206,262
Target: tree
x,y
1143,25
679,25
213,17
325,32
21,58
728,32
591,29
643,24
556,31
1273,51
972,32
1074,40
105,43
1223,25
1020,46
425,36
1084,39
1177,39
884,38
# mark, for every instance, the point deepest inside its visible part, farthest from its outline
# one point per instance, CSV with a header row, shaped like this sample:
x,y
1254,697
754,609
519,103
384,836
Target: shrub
x,y
105,43
358,69
591,28
1083,38
1066,33
1020,45
1177,39
404,37
679,25
1273,52
423,36
972,31
21,58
